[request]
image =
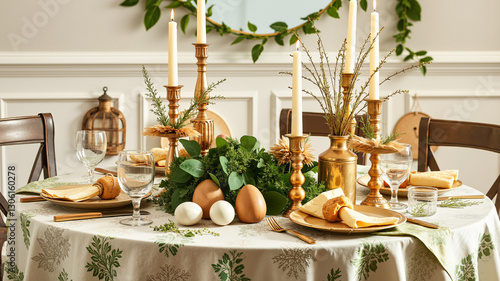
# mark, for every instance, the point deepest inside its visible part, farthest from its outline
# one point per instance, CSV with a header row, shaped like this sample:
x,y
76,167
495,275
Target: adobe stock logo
x,y
31,25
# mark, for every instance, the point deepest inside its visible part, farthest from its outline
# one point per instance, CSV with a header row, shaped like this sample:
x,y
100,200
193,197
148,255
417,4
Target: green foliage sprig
x,y
170,226
458,203
408,11
369,132
232,164
159,108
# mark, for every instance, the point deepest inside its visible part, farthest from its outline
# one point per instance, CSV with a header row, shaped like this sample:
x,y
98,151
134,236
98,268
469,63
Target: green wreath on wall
x,y
408,12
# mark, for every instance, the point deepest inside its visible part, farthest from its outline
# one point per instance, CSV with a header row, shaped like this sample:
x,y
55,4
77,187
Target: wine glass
x,y
136,173
90,149
395,169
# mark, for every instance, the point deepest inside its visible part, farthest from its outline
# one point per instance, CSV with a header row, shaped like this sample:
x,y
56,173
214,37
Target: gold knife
x,y
104,171
93,215
482,196
423,223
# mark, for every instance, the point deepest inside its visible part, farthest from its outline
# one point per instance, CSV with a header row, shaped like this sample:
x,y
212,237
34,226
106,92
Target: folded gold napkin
x,y
73,193
335,201
442,179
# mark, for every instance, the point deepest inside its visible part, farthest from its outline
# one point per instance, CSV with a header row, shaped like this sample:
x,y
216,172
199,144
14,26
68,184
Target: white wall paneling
x,y
67,109
232,108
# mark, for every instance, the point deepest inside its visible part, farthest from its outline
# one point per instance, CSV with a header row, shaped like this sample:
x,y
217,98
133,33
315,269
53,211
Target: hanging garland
x,y
408,11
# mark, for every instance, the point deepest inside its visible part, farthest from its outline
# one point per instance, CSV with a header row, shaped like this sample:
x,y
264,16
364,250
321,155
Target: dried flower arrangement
x,y
340,109
180,127
281,151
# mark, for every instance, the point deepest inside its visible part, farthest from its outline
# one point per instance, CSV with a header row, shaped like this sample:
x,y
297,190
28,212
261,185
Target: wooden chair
x,y
28,130
314,123
459,134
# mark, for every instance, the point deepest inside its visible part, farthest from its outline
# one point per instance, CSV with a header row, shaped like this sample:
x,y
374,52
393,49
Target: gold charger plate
x,y
304,219
94,203
404,191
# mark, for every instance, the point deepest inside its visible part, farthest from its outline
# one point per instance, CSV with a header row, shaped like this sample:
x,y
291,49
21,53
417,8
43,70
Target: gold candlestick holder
x,y
297,179
202,123
346,85
375,183
173,97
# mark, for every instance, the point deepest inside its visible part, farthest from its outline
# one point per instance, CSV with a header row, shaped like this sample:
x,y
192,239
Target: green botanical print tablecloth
x,y
103,249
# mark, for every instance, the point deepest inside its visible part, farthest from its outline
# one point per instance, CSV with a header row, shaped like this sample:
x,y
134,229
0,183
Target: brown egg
x,y
250,204
206,194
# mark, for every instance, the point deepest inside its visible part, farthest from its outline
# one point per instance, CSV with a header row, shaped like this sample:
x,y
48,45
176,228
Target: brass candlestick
x,y
173,97
297,179
346,85
202,123
375,183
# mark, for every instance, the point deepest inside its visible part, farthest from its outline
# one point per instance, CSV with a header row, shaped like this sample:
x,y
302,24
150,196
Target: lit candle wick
x,y
374,5
172,15
297,45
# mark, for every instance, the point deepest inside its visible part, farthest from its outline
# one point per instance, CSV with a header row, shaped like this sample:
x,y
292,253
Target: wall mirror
x,y
262,13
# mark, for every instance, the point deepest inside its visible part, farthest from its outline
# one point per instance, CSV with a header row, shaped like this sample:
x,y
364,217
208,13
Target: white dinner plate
x,y
404,191
304,219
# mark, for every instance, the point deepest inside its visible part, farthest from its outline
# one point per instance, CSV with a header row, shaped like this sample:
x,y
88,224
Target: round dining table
x,y
465,247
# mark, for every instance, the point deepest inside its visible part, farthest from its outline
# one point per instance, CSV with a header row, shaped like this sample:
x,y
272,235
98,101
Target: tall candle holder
x,y
202,123
297,179
375,183
173,97
346,85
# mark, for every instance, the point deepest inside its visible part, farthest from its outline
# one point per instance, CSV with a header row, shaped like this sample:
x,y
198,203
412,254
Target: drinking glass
x,y
90,149
395,169
136,172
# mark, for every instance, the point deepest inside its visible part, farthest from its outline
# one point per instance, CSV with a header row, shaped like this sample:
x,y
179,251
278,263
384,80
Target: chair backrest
x,y
435,132
28,130
314,123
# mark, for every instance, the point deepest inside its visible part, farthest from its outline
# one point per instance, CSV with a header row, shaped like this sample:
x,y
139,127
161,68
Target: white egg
x,y
222,212
188,213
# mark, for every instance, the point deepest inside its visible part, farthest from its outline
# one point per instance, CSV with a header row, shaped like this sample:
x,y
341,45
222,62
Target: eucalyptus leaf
x,y
275,202
423,69
194,167
279,26
248,142
399,49
151,3
279,39
238,39
256,51
129,3
261,163
223,162
252,27
209,11
414,12
426,59
421,53
337,4
221,142
363,4
192,147
308,28
293,39
180,176
333,12
235,181
152,16
184,23
215,179
174,4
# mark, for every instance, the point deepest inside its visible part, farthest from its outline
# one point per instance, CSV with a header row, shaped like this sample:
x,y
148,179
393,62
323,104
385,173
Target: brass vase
x,y
337,167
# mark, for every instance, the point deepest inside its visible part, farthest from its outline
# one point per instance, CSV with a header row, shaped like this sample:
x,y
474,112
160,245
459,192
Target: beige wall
x,y
55,56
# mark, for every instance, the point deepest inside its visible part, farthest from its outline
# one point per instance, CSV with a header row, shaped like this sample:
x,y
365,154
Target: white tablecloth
x,y
103,249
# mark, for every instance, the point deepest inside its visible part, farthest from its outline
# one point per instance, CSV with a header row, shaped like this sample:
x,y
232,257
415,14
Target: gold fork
x,y
275,226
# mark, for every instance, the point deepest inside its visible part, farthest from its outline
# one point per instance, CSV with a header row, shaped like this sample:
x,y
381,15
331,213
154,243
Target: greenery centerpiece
x,y
231,165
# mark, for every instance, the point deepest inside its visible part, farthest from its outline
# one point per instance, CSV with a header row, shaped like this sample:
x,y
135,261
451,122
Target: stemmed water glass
x,y
395,169
90,149
136,172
